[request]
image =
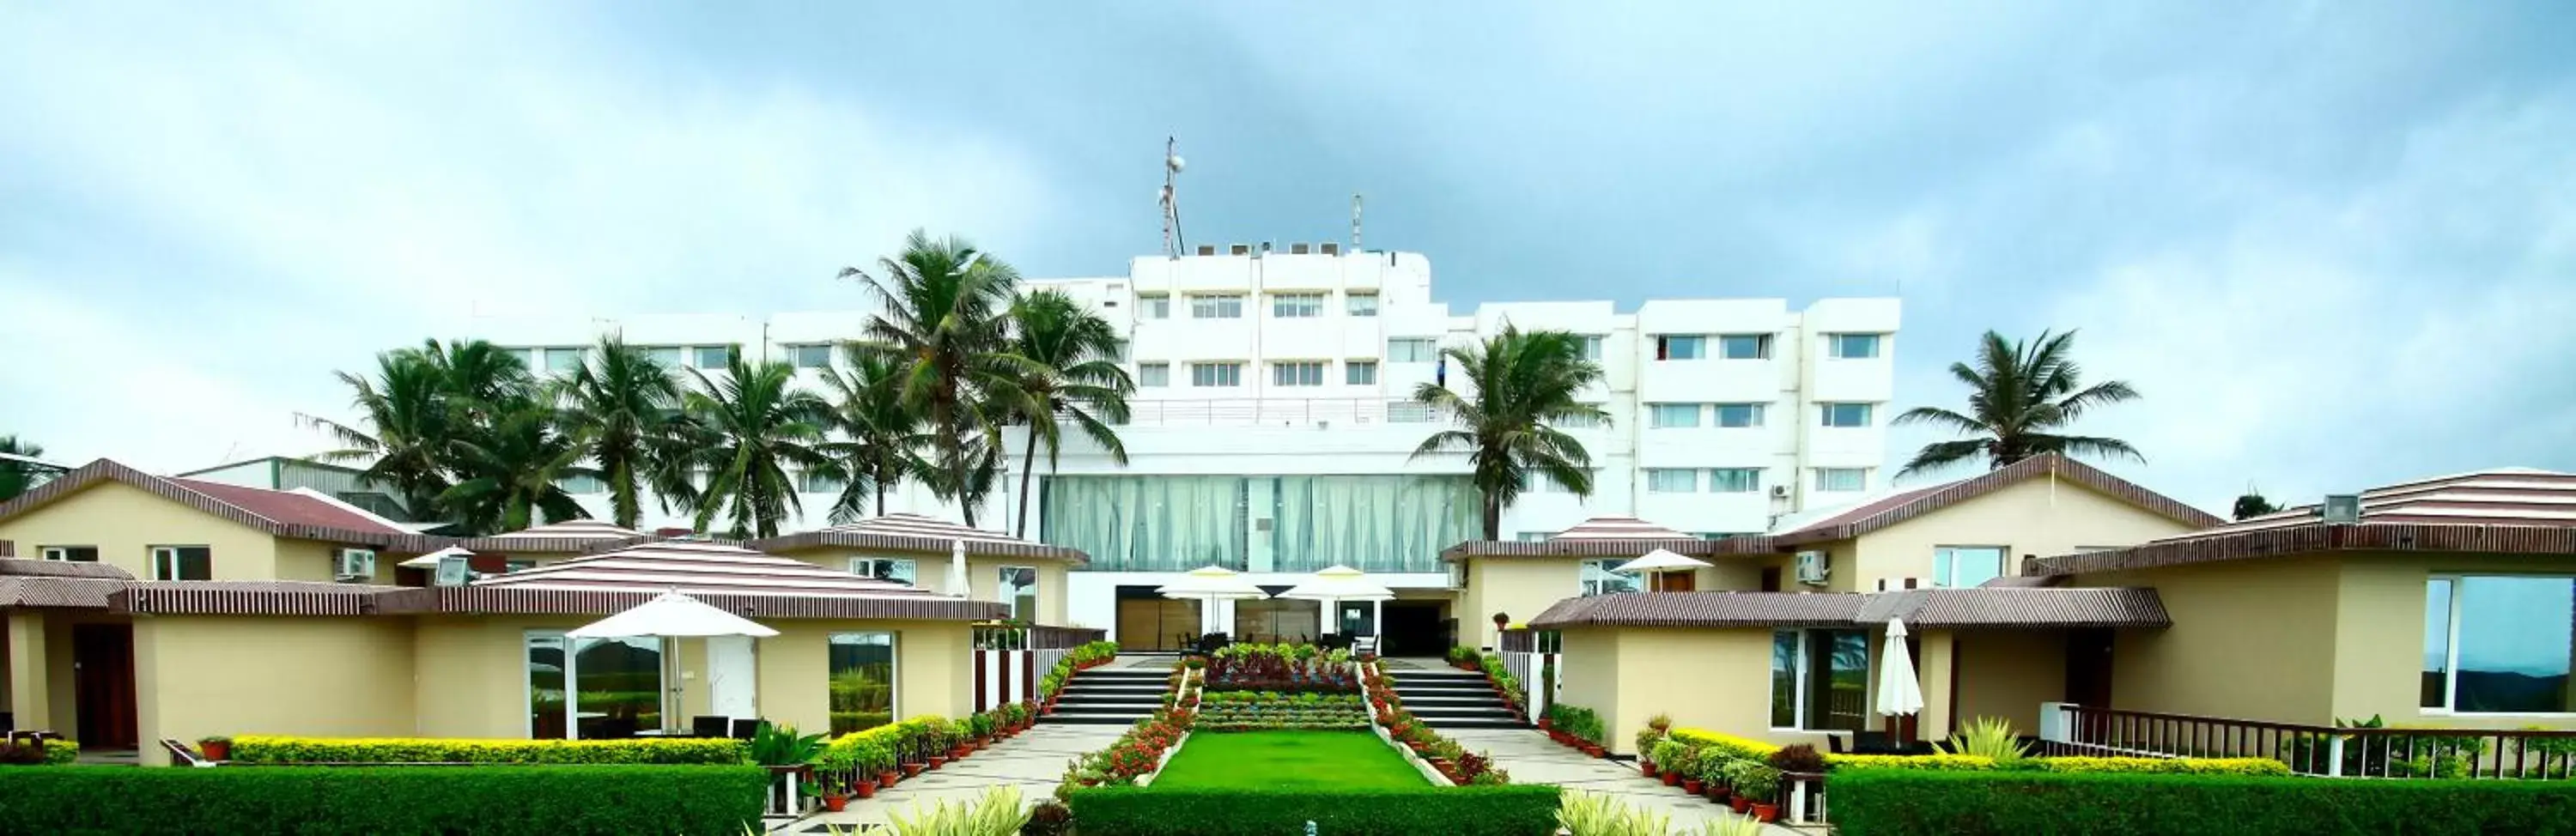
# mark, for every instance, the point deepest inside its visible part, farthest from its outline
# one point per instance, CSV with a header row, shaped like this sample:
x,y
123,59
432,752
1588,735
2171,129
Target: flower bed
x,y
862,762
1089,655
1288,668
1136,755
1452,760
1249,710
270,749
1449,811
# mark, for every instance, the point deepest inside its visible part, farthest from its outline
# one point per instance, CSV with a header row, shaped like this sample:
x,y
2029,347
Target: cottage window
x,y
862,680
1820,680
2498,644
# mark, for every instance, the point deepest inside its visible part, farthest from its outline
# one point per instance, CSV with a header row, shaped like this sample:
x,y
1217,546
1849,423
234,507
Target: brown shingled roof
x,y
2504,511
1916,503
278,513
2002,608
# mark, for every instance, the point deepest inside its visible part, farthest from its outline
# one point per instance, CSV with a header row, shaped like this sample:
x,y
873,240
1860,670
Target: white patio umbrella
x,y
671,616
1659,561
957,584
1210,584
1337,584
1898,692
430,560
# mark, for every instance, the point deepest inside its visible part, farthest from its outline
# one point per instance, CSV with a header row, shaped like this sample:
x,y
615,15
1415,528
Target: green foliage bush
x,y
268,749
384,801
1515,810
1886,802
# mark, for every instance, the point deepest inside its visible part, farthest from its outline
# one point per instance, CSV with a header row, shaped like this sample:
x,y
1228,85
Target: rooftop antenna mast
x,y
1171,199
1355,222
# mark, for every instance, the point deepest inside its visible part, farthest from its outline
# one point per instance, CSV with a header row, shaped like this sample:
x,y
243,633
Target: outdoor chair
x,y
181,755
745,728
710,726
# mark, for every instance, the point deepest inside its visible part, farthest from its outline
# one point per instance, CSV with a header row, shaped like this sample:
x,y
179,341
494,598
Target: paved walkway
x,y
1532,758
1032,761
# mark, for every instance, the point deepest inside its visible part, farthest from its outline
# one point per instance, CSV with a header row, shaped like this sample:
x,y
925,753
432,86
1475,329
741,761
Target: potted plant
x,y
1761,784
833,800
1685,763
1668,761
1738,784
1649,748
787,756
216,748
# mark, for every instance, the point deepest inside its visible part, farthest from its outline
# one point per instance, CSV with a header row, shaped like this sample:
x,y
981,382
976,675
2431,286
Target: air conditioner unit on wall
x,y
355,565
1779,492
1814,567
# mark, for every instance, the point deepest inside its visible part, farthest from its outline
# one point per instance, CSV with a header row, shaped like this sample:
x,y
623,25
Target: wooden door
x,y
103,684
2088,667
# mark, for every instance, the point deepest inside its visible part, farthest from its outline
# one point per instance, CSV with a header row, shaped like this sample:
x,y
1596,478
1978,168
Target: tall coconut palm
x,y
883,436
1074,377
482,379
2021,395
16,477
513,472
1524,382
622,409
941,317
745,432
406,443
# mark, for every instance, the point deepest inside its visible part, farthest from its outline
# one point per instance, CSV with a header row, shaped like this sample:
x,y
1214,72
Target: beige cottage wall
x,y
2380,628
2003,673
124,522
472,677
1521,587
330,677
2042,517
932,675
2250,639
317,560
1715,679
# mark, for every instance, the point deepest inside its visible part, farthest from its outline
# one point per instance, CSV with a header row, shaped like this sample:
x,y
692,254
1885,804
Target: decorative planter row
x,y
866,786
1588,747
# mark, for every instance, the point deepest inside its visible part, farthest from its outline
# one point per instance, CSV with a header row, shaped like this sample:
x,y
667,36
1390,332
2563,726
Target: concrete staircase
x,y
1448,698
1109,696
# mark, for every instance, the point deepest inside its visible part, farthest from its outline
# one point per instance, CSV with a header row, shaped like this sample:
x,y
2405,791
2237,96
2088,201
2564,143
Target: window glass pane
x,y
1216,307
545,686
617,686
1154,375
1671,481
1846,414
712,356
1745,346
1838,684
808,481
582,483
1363,304
1735,480
1852,346
1412,350
527,357
862,681
1216,374
1681,348
665,356
1359,373
563,359
1842,479
2514,644
1157,307
1966,566
1297,374
1739,415
1673,414
1019,587
1580,421
196,564
810,356
905,572
1297,305
1592,347
2437,643
1599,580
1784,679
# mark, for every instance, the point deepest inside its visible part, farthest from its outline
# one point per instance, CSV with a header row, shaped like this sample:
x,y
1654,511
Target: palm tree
x,y
406,444
16,477
1076,377
883,434
622,409
484,380
512,473
941,318
2020,395
2253,504
745,432
1524,382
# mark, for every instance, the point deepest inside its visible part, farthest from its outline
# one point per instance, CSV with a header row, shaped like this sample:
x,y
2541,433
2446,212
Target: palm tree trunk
x,y
1493,515
1028,473
880,469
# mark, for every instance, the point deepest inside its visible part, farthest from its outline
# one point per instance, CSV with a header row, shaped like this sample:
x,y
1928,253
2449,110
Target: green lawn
x,y
1287,760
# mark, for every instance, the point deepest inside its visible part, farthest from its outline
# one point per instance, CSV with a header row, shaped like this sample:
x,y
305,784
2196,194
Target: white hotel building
x,y
1273,429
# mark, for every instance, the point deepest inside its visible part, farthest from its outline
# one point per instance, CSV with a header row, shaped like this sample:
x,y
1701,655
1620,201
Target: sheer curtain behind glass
x,y
1148,523
1370,523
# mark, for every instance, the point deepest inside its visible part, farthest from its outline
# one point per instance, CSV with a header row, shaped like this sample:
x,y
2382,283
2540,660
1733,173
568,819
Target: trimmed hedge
x,y
390,801
1513,810
1748,749
1891,802
265,749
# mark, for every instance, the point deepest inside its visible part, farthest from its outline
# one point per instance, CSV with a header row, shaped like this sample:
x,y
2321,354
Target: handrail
x,y
2330,751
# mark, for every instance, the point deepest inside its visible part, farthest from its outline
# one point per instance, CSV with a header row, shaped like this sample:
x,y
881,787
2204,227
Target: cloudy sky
x,y
2334,244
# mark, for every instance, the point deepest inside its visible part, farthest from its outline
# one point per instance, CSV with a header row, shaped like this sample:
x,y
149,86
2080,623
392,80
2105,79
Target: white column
x,y
1377,620
1324,620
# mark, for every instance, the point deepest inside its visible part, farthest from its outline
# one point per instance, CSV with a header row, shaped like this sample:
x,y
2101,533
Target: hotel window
x,y
1961,567
711,356
1735,480
1155,305
1842,479
1599,580
665,356
1153,375
815,481
1526,537
1019,587
1216,306
70,554
563,360
593,689
2498,644
1361,304
1296,305
1302,373
1592,347
183,563
1216,374
1845,414
1664,480
1681,348
1672,414
582,483
526,356
1579,421
1744,347
1359,372
1851,346
1819,679
884,569
810,356
1412,350
862,680
1739,415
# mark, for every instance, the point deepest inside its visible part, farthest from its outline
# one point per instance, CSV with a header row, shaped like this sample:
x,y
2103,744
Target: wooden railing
x,y
2331,751
1008,660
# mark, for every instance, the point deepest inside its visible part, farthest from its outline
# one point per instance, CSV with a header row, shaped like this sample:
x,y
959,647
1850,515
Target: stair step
x,y
1096,673
1436,673
1114,688
1455,702
1451,723
1454,711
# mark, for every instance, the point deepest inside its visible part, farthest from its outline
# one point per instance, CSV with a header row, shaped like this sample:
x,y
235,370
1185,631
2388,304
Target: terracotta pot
x,y
937,761
1717,793
1691,785
1766,812
960,753
1595,751
1738,803
1646,767
1543,724
865,788
216,750
887,777
912,770
836,803
1672,779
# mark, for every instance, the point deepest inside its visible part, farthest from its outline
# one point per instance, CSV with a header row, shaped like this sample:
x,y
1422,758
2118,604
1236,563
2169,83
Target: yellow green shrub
x,y
2191,766
1740,747
284,750
1948,763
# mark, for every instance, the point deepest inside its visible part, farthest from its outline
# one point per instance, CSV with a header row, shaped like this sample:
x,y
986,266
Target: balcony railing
x,y
2331,751
1279,412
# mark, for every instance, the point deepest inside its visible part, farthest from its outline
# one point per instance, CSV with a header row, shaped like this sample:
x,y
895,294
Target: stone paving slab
x,y
1532,758
1032,762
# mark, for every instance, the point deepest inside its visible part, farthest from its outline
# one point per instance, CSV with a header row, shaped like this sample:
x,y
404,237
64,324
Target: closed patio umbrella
x,y
1898,692
1336,584
1210,584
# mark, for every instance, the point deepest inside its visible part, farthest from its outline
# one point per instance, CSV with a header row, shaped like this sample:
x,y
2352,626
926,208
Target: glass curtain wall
x,y
862,671
1370,523
1148,523
1386,523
